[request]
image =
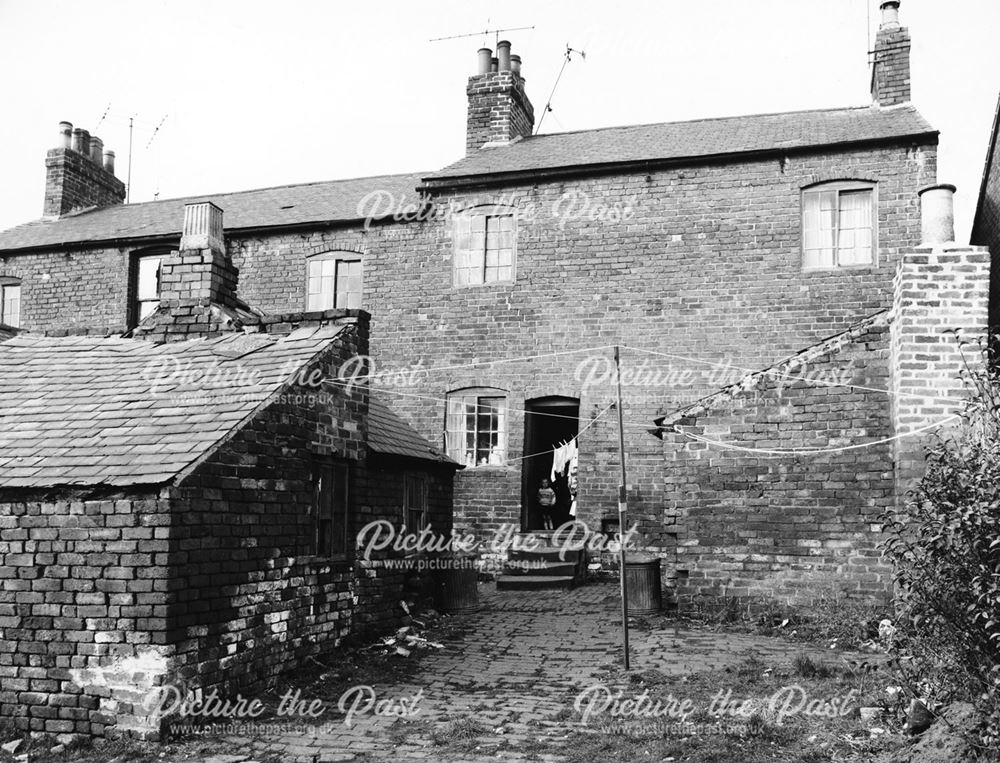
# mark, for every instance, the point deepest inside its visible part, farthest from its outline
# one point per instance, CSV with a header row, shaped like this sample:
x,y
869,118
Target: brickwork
x,y
986,225
499,109
752,522
891,65
699,262
941,297
73,181
83,610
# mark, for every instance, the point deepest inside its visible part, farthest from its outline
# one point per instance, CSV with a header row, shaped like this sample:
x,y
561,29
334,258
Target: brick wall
x,y
941,296
891,65
499,109
73,181
83,611
748,522
986,226
698,262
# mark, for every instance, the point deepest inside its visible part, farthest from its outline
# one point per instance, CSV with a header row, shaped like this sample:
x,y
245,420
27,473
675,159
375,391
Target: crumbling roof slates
x,y
98,425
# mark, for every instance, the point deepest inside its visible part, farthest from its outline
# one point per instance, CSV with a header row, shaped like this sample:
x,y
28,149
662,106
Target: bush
x,y
945,547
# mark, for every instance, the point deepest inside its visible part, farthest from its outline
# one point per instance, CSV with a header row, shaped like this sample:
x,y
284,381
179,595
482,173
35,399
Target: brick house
x,y
498,285
182,511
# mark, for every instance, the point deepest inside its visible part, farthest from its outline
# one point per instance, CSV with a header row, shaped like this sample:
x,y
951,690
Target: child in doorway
x,y
546,501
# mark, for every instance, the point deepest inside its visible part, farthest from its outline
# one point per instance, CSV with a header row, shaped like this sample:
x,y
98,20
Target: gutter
x,y
519,177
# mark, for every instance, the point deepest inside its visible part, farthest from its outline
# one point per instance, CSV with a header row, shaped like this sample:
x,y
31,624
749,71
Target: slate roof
x,y
700,138
329,201
390,435
85,411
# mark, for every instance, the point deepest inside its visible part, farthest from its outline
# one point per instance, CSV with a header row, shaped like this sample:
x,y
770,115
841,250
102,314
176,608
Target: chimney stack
x,y
890,83
78,174
197,283
499,110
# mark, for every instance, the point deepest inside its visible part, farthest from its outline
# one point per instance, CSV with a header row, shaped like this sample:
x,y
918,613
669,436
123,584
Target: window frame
x,y
459,453
338,257
840,187
415,500
5,284
487,212
134,311
337,471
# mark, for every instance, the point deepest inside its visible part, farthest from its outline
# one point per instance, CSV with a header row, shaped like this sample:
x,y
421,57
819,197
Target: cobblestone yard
x,y
513,676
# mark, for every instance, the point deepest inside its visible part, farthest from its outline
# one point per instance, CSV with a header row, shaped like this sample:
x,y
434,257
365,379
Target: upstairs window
x,y
10,303
838,226
334,281
330,507
484,248
145,285
476,430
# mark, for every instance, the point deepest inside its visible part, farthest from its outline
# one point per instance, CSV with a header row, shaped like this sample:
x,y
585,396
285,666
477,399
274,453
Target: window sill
x,y
482,285
838,268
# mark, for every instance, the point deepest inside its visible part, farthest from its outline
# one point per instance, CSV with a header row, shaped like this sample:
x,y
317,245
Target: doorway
x,y
548,423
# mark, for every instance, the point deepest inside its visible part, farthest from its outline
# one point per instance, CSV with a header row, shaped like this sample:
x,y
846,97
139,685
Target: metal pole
x,y
128,176
622,507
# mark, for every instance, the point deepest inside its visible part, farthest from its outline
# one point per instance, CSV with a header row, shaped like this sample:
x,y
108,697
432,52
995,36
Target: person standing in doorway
x,y
546,497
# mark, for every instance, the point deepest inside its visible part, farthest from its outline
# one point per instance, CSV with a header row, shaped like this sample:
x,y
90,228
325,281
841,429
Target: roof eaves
x,y
432,183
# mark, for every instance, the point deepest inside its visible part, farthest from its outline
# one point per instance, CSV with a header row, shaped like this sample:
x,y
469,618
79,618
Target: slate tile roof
x,y
86,411
697,138
388,434
330,201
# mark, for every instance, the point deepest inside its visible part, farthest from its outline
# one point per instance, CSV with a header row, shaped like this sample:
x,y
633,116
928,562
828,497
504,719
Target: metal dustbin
x,y
642,576
457,582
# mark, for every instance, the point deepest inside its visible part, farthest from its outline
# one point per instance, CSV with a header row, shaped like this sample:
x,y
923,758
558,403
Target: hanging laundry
x,y
572,483
561,458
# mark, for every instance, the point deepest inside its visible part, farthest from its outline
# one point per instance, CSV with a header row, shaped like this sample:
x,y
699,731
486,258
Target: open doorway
x,y
549,422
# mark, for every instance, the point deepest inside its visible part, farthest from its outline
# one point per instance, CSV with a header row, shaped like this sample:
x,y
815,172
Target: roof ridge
x,y
717,119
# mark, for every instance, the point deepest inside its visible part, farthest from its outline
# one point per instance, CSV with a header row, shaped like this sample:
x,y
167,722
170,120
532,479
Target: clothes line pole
x,y
622,508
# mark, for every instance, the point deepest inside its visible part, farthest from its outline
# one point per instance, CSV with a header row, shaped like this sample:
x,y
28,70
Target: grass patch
x,y
828,621
741,713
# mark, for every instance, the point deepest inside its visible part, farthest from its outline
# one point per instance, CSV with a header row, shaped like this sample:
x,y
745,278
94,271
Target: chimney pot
x,y
503,56
937,214
96,150
515,64
494,64
890,13
81,141
109,161
202,227
65,135
485,56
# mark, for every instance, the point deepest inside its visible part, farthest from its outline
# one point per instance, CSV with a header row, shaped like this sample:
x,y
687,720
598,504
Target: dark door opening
x,y
548,423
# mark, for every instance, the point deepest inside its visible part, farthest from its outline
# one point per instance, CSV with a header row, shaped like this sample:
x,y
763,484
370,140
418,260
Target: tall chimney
x,y
499,110
890,83
75,177
197,283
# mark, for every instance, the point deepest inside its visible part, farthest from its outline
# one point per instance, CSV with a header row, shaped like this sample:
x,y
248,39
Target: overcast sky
x,y
256,94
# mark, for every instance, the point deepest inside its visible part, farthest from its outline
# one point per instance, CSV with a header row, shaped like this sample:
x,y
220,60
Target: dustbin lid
x,y
637,558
